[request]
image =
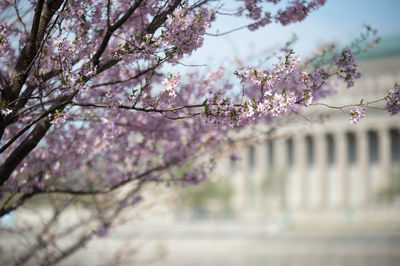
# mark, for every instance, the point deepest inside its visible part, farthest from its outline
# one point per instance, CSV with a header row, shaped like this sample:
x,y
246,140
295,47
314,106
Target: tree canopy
x,y
88,106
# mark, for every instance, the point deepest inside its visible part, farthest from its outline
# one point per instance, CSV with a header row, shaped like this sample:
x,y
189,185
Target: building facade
x,y
321,163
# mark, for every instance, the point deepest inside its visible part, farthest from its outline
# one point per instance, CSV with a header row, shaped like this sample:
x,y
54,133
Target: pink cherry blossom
x,y
87,103
356,114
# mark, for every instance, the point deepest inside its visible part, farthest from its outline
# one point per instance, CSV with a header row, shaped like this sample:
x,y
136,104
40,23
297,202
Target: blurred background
x,y
307,190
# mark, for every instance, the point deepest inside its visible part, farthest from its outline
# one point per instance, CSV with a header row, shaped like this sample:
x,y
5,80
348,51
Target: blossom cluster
x,y
356,114
4,43
138,47
347,68
393,100
171,84
184,29
277,104
295,11
59,117
5,111
219,109
271,93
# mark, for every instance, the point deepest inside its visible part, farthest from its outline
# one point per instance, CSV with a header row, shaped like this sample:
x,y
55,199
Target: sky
x,y
338,21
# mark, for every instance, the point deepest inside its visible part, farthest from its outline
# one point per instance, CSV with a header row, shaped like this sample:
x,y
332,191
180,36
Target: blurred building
x,y
323,165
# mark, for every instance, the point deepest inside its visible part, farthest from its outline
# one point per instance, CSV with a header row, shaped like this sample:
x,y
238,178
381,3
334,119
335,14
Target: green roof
x,y
387,47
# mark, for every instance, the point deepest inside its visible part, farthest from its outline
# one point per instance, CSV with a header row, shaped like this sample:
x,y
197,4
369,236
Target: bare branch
x,y
19,16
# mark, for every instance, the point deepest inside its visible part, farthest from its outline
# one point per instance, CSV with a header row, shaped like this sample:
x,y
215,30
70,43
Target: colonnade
x,y
318,169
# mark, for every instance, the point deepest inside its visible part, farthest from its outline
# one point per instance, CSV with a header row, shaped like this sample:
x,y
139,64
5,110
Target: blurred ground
x,y
235,244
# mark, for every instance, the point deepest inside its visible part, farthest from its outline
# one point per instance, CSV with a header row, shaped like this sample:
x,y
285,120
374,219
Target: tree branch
x,y
43,14
31,141
36,191
160,18
157,21
111,28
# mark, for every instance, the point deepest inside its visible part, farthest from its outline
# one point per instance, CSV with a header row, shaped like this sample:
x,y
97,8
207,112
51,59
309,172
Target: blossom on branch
x,y
347,68
171,84
356,114
393,100
86,106
184,29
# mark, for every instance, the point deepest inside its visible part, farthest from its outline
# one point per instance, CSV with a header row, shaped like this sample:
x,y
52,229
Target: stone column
x,y
341,157
223,166
321,171
361,186
291,187
300,194
383,181
239,200
250,172
394,162
280,162
260,175
271,200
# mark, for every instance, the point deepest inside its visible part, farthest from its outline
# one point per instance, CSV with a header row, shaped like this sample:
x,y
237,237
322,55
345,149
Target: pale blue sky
x,y
338,21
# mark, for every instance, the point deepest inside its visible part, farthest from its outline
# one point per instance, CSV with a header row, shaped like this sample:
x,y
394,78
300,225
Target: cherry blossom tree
x,y
88,107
